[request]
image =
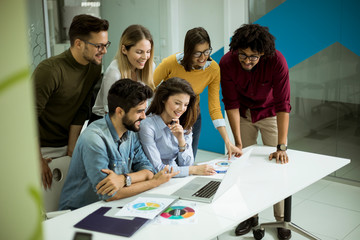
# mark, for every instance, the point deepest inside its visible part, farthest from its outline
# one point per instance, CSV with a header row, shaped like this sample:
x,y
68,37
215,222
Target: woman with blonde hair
x,y
133,60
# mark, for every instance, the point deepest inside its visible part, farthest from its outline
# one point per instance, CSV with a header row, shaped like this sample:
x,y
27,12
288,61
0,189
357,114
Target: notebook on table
x,y
96,221
105,220
207,189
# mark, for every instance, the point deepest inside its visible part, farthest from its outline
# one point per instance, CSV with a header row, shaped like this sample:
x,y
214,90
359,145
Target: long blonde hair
x,y
129,38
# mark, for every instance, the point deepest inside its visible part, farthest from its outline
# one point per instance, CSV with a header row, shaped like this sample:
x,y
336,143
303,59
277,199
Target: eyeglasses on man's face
x,y
252,58
206,53
99,46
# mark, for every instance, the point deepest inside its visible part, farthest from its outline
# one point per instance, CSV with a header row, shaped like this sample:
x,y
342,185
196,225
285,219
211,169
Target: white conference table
x,y
261,183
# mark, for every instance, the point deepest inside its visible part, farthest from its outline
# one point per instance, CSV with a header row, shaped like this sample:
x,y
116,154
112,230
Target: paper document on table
x,y
181,212
145,207
220,165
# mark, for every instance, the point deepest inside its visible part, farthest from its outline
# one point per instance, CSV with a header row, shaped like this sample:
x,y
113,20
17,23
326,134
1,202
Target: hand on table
x,y
233,150
111,184
280,156
165,175
204,169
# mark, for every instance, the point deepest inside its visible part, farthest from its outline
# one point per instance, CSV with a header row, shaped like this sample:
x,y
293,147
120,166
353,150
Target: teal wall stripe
x,y
210,138
305,27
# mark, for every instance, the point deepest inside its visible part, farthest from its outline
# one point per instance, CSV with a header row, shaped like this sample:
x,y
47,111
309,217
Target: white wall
x,y
122,13
219,18
208,14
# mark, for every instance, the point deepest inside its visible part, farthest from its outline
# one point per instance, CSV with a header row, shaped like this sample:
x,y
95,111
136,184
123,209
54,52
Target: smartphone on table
x,y
82,236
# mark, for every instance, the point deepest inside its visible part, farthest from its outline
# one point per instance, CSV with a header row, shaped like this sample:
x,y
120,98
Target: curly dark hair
x,y
255,37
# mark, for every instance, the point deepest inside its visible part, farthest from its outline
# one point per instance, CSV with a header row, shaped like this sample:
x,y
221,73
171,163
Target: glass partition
x,y
325,97
36,33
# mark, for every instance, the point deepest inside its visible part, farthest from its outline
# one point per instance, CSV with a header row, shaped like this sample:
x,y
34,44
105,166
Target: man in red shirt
x,y
256,93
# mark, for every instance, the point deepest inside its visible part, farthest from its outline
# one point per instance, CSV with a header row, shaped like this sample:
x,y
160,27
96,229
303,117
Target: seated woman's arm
x,y
186,157
147,136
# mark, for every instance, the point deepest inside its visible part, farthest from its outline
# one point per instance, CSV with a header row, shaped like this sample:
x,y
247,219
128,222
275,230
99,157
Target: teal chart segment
x,y
147,206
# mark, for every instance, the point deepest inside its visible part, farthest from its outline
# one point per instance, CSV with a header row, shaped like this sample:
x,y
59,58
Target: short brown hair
x,y
82,25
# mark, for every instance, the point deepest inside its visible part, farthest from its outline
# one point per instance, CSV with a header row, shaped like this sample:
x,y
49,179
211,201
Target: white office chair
x,y
59,168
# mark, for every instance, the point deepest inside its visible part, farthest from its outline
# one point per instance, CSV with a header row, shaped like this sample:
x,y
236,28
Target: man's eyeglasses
x,y
206,53
251,58
99,46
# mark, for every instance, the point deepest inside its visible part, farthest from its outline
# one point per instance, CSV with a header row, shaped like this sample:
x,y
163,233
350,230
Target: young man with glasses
x,y
256,93
64,87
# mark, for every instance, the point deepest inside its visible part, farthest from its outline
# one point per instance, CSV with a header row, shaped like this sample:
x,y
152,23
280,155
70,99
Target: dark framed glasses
x,y
206,53
99,46
252,58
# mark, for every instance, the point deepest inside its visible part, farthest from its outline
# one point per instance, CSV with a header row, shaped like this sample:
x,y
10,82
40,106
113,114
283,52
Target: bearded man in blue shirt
x,y
108,162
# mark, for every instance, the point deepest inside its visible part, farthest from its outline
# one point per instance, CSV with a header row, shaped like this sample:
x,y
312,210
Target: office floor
x,y
329,210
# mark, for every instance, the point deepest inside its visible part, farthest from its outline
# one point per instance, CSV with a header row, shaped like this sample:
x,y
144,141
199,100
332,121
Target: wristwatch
x,y
281,147
183,148
127,180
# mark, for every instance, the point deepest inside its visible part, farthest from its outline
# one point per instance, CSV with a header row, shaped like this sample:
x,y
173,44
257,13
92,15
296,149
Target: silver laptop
x,y
207,189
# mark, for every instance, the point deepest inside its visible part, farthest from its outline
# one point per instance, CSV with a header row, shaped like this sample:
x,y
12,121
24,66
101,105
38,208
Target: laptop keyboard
x,y
208,190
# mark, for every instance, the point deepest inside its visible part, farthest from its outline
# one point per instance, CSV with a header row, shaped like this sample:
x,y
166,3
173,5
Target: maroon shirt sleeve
x,y
281,84
231,97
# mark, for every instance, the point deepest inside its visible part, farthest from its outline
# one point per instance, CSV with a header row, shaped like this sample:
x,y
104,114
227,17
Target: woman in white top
x,y
166,133
134,60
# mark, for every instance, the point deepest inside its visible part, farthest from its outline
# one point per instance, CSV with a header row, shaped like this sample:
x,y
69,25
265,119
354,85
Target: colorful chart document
x,y
181,212
145,207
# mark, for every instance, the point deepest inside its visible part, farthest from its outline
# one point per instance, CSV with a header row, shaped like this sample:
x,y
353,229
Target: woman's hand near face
x,y
178,131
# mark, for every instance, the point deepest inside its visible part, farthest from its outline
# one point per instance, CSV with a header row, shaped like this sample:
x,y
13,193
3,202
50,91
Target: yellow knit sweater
x,y
198,78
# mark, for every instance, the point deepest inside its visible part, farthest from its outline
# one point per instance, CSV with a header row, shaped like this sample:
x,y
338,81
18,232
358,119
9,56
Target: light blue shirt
x,y
99,147
162,147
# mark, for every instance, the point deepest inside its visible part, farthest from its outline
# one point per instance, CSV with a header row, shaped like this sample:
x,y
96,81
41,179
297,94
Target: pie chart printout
x,y
178,212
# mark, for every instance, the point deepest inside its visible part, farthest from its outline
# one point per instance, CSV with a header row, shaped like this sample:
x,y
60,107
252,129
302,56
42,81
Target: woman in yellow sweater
x,y
195,66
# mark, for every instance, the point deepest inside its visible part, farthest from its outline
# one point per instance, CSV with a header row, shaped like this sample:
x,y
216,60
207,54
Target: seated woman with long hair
x,y
166,133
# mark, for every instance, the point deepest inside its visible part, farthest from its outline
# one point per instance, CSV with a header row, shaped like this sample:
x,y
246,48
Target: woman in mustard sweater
x,y
195,66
